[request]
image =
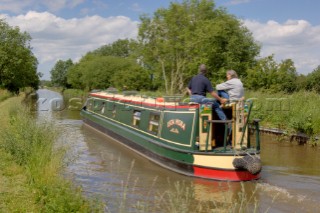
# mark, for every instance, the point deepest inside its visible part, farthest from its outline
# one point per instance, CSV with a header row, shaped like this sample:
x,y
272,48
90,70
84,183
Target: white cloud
x,y
55,38
295,39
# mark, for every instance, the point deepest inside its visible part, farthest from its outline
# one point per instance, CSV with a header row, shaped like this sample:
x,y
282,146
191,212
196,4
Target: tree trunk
x,y
164,75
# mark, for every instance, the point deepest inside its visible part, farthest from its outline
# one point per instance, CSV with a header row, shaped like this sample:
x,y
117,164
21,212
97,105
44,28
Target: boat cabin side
x,y
166,122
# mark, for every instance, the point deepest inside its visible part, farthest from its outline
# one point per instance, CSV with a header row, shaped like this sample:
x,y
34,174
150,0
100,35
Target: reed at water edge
x,y
200,196
296,113
31,166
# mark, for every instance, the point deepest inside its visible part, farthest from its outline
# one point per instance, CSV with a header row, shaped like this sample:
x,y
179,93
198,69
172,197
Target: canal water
x,y
126,182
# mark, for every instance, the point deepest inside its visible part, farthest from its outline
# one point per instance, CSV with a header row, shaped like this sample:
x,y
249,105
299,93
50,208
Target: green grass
x,y
74,93
295,113
31,166
4,94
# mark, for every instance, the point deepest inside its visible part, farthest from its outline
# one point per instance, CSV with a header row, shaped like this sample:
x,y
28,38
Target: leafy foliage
x,y
267,74
100,72
313,80
18,65
120,48
59,73
176,40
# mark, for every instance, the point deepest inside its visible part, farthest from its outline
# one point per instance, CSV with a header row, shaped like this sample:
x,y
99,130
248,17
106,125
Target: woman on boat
x,y
232,89
199,86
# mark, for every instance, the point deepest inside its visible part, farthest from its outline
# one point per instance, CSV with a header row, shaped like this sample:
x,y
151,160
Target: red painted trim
x,y
141,103
228,175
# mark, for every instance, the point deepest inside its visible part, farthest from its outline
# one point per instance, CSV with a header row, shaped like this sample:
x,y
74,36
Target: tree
x,y
176,40
301,82
119,48
75,76
313,80
59,73
132,78
287,76
101,72
18,65
269,75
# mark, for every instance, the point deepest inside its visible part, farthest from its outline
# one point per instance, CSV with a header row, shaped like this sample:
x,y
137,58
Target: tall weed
x,y
28,142
32,146
297,112
4,94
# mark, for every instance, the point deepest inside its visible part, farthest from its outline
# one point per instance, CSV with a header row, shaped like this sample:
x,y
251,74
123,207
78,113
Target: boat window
x,y
114,112
136,117
103,108
97,106
89,104
154,123
110,109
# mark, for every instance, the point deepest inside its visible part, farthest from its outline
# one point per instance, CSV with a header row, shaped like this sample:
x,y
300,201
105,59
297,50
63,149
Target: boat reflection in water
x,y
225,196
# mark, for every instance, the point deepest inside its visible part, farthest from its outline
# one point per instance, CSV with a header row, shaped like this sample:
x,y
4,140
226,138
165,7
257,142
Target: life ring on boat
x,y
160,99
249,162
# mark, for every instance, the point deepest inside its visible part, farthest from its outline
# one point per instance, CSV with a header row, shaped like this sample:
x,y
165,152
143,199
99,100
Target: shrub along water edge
x,y
294,113
29,147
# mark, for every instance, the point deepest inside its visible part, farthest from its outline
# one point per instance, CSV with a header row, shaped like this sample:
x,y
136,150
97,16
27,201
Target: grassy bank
x,y
4,94
295,113
31,164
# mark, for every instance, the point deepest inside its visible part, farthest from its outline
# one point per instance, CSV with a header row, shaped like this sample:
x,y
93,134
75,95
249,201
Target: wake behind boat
x,y
182,136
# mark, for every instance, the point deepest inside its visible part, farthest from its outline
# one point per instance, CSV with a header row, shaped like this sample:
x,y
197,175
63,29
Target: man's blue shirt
x,y
200,85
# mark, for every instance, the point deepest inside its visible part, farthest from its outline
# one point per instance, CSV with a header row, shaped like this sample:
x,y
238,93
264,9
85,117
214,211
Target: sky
x,y
63,29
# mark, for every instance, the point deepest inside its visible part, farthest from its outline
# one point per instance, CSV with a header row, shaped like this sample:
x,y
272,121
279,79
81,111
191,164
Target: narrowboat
x,y
180,135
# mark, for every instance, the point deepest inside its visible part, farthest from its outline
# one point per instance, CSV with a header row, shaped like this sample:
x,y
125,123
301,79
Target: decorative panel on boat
x,y
178,127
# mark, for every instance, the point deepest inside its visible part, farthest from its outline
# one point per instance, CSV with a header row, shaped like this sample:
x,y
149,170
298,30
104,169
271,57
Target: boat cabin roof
x,y
131,98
